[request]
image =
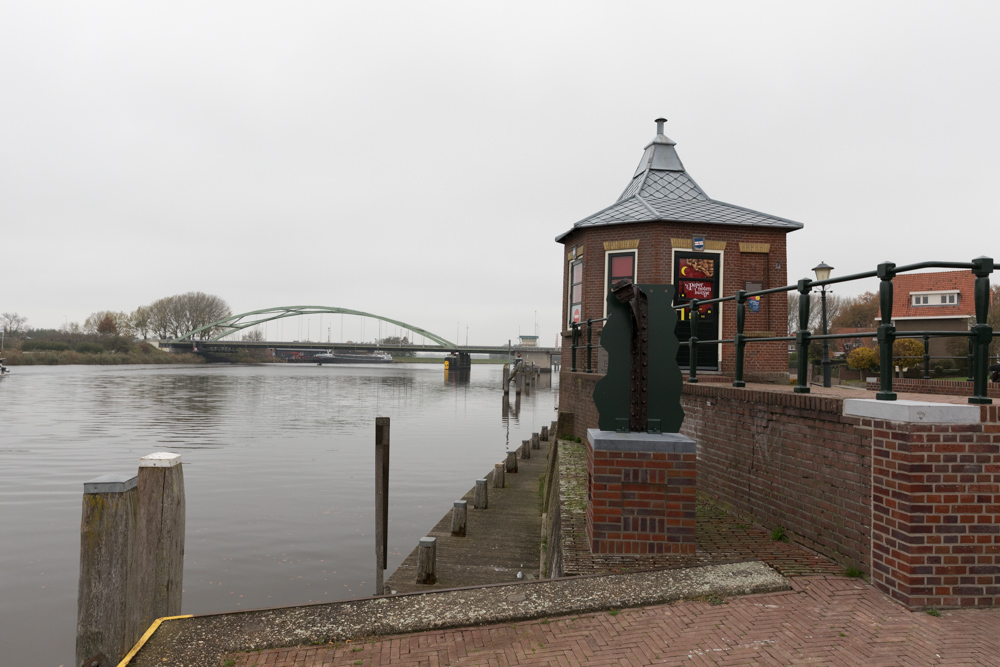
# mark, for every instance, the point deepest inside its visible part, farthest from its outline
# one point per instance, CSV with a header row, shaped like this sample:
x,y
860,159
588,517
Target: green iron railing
x,y
980,334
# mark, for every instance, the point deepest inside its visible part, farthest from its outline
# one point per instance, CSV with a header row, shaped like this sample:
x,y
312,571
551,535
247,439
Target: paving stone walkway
x,y
824,620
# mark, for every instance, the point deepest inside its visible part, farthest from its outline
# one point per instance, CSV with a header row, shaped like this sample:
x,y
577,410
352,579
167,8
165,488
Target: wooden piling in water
x,y
159,543
480,501
106,626
458,516
381,501
131,557
506,378
426,555
498,476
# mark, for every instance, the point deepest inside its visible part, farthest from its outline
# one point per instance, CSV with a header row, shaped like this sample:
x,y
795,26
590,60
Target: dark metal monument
x,y
641,470
642,388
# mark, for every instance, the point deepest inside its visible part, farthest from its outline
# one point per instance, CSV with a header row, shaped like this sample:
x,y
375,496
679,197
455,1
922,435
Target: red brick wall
x,y
778,458
786,460
765,361
641,502
936,501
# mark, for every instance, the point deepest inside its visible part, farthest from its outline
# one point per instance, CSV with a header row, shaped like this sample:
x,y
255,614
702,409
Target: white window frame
x,y
934,297
569,295
607,270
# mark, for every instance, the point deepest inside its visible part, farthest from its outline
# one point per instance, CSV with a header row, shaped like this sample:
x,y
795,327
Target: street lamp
x,y
823,273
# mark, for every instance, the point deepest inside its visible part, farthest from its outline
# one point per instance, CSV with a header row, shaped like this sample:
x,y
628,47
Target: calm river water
x,y
278,473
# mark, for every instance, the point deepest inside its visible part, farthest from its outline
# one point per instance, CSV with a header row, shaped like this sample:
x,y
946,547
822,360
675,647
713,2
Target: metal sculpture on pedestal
x,y
642,388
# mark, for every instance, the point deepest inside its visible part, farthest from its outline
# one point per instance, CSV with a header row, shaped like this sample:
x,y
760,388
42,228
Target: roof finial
x,y
659,125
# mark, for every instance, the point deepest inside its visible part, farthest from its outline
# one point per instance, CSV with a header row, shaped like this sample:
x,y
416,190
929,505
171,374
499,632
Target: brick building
x,y
940,301
665,229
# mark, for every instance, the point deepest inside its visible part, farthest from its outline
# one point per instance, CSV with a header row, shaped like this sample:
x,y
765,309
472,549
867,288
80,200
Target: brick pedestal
x,y
640,492
935,501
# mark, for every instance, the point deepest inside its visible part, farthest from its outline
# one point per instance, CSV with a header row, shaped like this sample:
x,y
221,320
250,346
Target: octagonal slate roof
x,y
661,190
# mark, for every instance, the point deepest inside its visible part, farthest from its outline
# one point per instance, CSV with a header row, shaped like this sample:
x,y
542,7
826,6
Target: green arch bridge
x,y
208,338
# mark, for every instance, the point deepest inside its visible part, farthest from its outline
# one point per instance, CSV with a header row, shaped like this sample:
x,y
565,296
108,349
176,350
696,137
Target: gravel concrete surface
x,y
209,639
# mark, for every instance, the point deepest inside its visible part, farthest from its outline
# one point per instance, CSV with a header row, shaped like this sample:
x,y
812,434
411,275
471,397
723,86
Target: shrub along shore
x,y
103,351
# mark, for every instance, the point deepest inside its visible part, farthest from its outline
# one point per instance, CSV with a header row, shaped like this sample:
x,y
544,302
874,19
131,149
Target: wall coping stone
x,y
914,412
612,441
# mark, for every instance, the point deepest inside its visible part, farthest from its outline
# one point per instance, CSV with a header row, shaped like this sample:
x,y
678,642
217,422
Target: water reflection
x,y
278,472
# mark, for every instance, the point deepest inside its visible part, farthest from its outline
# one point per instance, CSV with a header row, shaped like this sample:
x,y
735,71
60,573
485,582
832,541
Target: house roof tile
x,y
661,190
905,284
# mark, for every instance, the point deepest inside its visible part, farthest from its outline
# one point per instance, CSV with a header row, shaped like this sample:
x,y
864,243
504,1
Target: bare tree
x,y
254,335
141,322
834,304
13,323
174,316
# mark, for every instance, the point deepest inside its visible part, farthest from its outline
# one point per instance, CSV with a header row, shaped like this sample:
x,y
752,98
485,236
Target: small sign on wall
x,y
698,243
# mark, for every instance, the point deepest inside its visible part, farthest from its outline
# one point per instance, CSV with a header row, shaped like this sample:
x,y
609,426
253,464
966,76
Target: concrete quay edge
x,y
207,639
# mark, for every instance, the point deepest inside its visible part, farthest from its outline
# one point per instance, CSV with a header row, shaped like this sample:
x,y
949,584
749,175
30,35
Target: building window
x,y
935,299
620,265
576,291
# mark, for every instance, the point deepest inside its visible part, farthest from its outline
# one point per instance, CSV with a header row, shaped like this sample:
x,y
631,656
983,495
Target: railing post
x,y
576,339
741,316
693,344
886,331
589,331
802,337
968,361
927,357
983,333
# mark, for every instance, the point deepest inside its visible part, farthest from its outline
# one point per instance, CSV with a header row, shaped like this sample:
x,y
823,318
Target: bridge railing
x,y
979,335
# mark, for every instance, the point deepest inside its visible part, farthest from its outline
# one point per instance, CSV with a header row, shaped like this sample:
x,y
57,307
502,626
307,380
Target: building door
x,y
696,276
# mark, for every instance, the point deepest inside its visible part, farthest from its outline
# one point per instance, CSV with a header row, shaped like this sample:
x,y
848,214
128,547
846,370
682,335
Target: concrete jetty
x,y
499,541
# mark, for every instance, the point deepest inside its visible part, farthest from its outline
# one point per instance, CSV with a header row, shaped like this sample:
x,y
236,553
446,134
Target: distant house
x,y
845,345
933,302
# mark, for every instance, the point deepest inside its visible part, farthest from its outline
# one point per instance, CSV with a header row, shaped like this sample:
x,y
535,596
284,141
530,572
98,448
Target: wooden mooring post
x,y
426,555
506,378
458,515
480,500
131,557
106,625
381,502
525,449
511,463
544,435
498,476
535,441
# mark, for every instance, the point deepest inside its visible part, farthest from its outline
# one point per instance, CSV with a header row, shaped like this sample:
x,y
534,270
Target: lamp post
x,y
823,273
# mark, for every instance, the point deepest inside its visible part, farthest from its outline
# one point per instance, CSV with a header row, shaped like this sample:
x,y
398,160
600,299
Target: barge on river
x,y
343,358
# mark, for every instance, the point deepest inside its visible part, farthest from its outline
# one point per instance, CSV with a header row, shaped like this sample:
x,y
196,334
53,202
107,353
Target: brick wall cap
x,y
913,412
611,441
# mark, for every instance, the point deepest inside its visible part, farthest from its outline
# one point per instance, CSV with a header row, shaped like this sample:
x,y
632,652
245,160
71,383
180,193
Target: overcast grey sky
x,y
416,160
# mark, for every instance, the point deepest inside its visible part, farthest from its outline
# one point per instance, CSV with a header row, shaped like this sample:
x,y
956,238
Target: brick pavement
x,y
827,620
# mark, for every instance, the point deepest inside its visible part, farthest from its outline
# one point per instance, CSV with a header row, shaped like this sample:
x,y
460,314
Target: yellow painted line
x,y
145,637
